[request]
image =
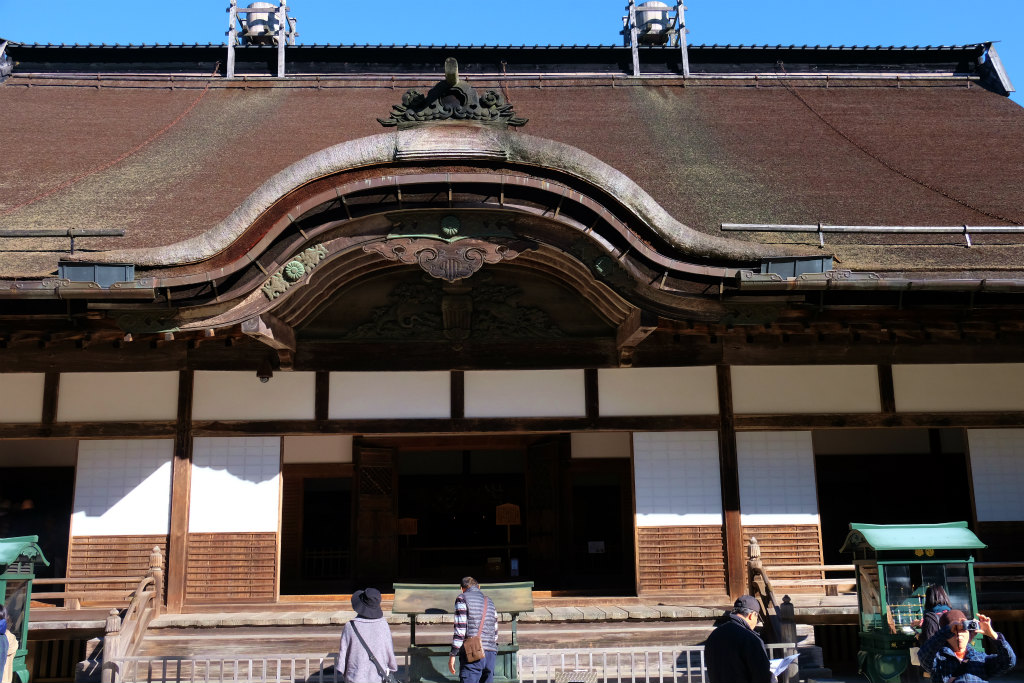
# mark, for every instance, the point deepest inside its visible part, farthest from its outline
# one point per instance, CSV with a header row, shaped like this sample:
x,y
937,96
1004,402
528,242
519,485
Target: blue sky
x,y
529,22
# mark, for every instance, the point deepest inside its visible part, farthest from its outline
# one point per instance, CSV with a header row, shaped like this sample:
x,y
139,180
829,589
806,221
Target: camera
x,y
970,625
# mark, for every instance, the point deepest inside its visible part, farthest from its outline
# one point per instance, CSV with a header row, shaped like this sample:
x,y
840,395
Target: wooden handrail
x,y
124,633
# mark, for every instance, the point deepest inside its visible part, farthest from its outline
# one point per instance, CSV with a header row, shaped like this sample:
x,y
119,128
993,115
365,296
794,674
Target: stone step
x,y
276,639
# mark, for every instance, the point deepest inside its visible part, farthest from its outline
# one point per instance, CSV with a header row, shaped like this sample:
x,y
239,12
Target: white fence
x,y
659,664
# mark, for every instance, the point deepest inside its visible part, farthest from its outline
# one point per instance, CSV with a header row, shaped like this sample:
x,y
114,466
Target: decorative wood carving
x,y
429,309
293,271
452,99
441,260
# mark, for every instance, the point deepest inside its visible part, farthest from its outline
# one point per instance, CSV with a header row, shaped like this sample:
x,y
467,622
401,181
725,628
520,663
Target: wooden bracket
x,y
633,330
270,330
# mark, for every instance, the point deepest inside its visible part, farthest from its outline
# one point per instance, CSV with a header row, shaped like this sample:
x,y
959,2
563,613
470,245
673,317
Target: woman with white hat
x,y
367,653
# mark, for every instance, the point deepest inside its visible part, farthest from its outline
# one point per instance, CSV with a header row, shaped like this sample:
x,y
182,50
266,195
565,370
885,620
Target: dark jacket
x,y
930,623
938,659
735,654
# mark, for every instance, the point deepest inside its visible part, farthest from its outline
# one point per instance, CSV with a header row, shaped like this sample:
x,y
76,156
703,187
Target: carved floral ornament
x,y
452,99
293,271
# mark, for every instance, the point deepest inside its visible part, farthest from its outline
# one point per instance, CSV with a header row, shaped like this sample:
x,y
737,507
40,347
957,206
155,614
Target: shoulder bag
x,y
473,646
385,676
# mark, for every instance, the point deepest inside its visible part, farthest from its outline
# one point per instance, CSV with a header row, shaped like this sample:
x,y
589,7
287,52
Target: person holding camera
x,y
949,657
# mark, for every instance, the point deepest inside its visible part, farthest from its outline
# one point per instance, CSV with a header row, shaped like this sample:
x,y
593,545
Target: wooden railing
x,y
779,616
78,589
653,664
124,633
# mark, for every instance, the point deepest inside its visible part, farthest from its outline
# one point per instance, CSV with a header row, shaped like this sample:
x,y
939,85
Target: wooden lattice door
x,y
376,516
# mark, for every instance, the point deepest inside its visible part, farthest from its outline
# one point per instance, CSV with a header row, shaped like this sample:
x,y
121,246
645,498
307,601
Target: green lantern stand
x,y
18,557
895,564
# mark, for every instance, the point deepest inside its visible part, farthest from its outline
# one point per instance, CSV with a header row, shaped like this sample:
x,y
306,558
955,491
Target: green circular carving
x,y
293,270
450,226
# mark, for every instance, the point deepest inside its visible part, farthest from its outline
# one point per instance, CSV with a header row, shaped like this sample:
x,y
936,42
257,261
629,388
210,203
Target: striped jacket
x,y
468,608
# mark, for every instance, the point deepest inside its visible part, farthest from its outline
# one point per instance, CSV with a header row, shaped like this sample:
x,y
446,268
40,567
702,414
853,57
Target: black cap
x,y
747,602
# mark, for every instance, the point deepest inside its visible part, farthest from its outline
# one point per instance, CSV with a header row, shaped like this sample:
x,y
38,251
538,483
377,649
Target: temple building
x,y
310,316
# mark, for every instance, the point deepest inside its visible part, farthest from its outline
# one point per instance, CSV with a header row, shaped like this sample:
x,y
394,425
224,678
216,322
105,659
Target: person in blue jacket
x,y
949,657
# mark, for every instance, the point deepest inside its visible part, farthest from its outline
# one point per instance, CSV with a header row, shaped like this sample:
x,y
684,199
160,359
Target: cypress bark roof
x,y
167,158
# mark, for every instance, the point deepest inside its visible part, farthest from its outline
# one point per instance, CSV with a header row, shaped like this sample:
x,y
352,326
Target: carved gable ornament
x,y
449,250
452,99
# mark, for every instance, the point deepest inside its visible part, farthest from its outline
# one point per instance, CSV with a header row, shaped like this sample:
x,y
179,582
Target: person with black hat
x,y
367,653
734,653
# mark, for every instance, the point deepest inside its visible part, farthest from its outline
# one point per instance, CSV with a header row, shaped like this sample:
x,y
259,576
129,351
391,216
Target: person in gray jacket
x,y
354,654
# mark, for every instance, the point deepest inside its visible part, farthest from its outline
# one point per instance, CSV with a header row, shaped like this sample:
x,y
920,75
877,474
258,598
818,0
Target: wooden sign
x,y
507,514
408,526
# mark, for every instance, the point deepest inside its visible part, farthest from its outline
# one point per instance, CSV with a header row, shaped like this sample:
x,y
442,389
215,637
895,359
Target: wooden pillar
x,y
732,529
458,394
886,390
51,391
322,397
181,485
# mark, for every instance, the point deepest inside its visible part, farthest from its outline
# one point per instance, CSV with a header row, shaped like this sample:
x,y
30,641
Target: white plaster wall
x,y
242,396
235,484
657,391
595,445
525,393
329,448
370,395
962,387
117,396
677,478
997,468
805,389
776,478
21,397
123,487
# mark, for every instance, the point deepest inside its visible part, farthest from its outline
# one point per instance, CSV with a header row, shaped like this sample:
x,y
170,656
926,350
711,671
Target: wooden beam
x,y
87,430
732,529
879,420
540,425
270,330
632,332
181,488
95,430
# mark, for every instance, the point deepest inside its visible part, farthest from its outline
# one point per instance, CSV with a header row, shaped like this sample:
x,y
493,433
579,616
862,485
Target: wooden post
x,y
787,620
732,529
156,570
181,485
111,646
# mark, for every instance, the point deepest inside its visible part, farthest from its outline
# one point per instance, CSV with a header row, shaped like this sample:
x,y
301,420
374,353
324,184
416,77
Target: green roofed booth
x,y
18,557
895,564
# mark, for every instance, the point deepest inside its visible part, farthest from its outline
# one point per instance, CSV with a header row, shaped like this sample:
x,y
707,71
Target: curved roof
x,y
168,159
20,549
882,537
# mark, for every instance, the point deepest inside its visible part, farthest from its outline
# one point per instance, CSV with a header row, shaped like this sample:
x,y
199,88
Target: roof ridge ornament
x,y
452,99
